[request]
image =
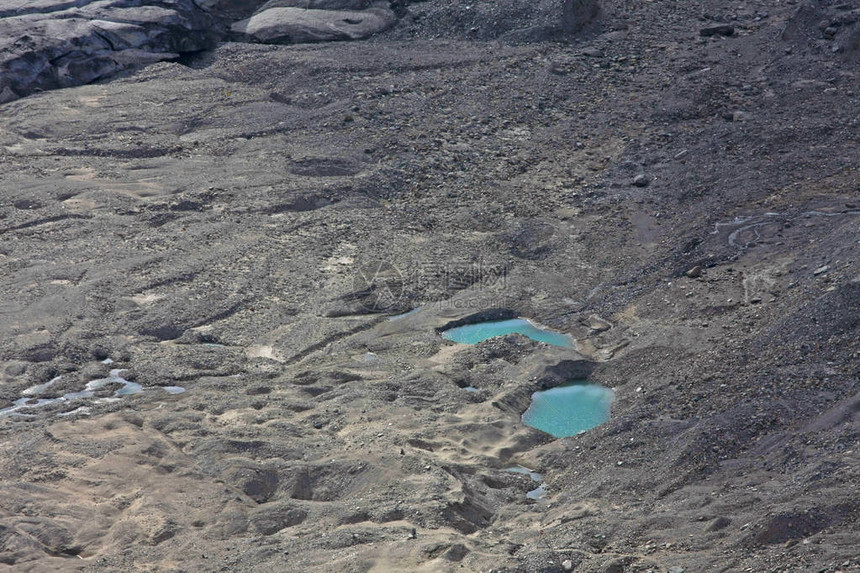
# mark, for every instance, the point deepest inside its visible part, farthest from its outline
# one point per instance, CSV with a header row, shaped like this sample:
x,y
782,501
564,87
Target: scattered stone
x,y
576,14
681,154
717,30
694,272
740,116
532,240
676,570
567,565
641,180
56,43
821,270
717,524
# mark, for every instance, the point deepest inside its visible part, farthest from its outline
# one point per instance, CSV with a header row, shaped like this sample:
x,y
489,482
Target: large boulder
x,y
47,44
288,25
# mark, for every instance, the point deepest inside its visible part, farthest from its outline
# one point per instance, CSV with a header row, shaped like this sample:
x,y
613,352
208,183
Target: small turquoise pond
x,y
570,409
475,333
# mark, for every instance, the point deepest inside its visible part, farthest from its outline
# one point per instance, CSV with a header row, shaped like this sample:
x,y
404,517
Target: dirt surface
x,y
243,222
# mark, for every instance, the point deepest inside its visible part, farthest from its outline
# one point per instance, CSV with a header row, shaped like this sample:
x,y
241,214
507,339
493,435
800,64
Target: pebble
x,y
821,270
567,565
695,272
641,180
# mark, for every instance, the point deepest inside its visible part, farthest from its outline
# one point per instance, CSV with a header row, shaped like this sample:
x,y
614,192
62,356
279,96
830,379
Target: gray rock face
x,y
49,44
298,25
506,20
230,10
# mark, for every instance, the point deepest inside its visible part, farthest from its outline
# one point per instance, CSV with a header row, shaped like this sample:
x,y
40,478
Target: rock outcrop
x,y
51,44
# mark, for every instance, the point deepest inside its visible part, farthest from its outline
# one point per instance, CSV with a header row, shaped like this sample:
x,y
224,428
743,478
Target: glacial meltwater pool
x,y
27,404
475,333
570,409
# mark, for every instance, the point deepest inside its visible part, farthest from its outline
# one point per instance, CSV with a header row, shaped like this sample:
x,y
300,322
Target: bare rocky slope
x,y
674,184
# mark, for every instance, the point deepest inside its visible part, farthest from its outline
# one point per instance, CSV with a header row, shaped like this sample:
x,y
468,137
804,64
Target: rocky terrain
x,y
674,184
